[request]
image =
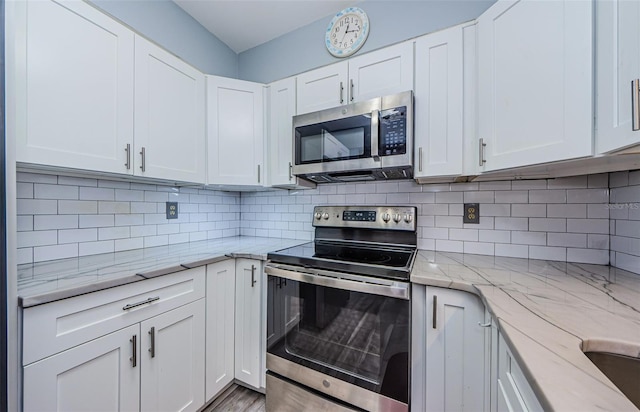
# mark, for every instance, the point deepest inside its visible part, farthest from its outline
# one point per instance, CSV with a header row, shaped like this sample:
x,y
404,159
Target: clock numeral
x,y
351,41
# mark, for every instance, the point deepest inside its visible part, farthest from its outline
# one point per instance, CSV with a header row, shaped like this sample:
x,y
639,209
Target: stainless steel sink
x,y
623,371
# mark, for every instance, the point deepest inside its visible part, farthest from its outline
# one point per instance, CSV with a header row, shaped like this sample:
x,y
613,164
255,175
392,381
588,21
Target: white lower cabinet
x,y
512,391
250,330
97,376
221,287
172,360
129,348
448,350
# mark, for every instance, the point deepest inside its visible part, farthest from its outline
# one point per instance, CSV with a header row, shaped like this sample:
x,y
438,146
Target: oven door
x,y
346,337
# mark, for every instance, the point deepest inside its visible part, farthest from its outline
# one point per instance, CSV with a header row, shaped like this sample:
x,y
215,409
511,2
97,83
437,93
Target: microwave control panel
x,y
393,131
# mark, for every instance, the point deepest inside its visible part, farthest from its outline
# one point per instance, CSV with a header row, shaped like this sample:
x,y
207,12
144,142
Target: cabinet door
x,y
380,73
439,104
96,376
617,64
535,76
449,351
282,108
235,131
322,88
248,329
221,287
73,82
514,392
169,116
173,359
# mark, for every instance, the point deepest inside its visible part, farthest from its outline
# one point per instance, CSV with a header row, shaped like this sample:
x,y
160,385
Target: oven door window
x,y
335,140
357,337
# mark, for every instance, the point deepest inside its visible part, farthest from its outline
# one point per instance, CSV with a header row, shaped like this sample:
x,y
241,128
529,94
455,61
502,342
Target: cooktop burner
x,y
372,260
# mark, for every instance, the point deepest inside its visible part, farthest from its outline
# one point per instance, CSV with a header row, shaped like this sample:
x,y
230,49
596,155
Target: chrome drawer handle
x,y
144,302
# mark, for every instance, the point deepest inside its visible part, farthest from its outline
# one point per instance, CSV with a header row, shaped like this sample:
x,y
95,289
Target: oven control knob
x,y
325,216
408,218
386,217
317,215
326,383
397,217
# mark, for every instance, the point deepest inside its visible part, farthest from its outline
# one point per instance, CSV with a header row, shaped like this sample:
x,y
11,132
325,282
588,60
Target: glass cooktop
x,y
391,262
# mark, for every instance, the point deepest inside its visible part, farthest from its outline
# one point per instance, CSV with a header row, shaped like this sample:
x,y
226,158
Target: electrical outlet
x,y
471,213
172,210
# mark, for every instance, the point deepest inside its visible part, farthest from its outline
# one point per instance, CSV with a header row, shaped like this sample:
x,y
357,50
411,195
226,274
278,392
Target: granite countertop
x,y
45,282
549,313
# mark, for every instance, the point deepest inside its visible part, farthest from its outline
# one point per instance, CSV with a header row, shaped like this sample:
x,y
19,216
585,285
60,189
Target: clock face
x,y
347,32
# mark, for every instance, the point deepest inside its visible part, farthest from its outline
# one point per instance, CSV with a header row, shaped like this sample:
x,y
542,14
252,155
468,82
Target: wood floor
x,y
237,399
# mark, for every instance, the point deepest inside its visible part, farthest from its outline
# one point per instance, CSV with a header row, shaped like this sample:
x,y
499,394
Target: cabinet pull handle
x,y
258,173
152,349
482,145
484,325
134,347
635,90
128,150
143,154
290,171
351,89
435,309
341,93
253,275
144,302
420,159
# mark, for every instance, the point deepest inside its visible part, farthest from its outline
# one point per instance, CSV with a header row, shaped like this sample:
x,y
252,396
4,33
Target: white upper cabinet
x,y
322,88
73,82
617,66
235,132
535,77
380,73
282,108
169,116
439,104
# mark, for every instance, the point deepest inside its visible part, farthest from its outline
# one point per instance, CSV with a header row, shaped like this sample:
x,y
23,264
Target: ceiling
x,y
244,24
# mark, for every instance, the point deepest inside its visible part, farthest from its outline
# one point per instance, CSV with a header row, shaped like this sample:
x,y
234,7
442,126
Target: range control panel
x,y
372,217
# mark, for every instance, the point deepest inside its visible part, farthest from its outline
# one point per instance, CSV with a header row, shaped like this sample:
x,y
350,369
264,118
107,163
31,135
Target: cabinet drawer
x,y
515,393
56,326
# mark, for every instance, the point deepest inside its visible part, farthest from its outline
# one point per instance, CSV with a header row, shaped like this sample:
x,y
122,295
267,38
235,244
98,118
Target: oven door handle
x,y
393,290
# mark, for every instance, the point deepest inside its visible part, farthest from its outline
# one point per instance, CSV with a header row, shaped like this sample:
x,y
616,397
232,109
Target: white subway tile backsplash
x,y
96,193
77,181
494,236
495,210
547,253
627,262
151,241
449,221
37,238
516,251
547,224
599,226
578,240
479,197
598,257
128,244
600,180
25,255
114,207
36,178
24,190
588,196
567,210
511,223
528,238
94,248
77,207
450,246
463,234
513,196
527,210
116,232
25,223
572,182
129,195
437,209
96,221
598,241
598,211
44,222
47,191
547,196
77,235
449,197
479,248
37,207
44,253
634,178
497,185
528,184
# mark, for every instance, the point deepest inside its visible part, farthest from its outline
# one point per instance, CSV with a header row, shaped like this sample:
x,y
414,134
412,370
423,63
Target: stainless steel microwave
x,y
369,140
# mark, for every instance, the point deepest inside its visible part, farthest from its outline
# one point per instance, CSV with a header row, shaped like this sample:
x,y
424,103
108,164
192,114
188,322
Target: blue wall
x,y
391,22
171,27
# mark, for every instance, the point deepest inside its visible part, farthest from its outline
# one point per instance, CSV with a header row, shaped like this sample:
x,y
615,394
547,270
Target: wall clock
x,y
347,32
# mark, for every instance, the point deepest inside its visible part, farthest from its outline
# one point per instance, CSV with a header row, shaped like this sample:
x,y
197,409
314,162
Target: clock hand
x,y
345,33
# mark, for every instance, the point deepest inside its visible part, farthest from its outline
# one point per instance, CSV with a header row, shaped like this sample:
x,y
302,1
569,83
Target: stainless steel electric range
x,y
338,317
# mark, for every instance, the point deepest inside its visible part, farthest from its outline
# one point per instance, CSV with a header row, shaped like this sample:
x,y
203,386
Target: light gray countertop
x,y
549,313
49,281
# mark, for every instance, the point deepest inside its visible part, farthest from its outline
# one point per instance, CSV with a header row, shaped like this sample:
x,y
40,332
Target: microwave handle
x,y
375,135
